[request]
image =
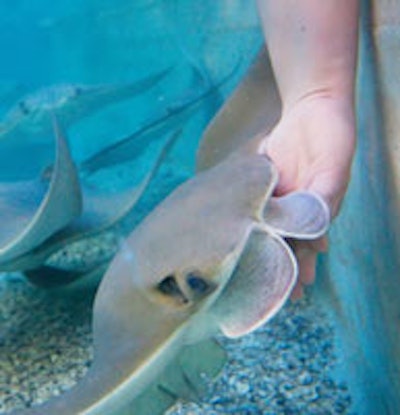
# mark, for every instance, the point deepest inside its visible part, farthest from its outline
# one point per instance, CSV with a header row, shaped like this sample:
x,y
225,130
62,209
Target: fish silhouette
x,y
69,102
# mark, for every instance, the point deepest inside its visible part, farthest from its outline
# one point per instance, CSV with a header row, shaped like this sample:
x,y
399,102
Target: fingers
x,y
297,292
307,260
306,253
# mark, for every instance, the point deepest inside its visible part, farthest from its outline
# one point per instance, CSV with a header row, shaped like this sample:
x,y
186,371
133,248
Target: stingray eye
x,y
169,286
198,284
22,106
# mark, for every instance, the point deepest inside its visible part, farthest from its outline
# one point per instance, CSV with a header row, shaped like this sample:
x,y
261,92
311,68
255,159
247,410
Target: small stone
x,y
242,387
305,378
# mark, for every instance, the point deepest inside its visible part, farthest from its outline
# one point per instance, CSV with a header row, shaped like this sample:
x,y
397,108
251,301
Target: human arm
x,y
313,48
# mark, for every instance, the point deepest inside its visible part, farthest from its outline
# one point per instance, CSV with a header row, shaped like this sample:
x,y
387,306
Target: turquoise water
x,y
104,42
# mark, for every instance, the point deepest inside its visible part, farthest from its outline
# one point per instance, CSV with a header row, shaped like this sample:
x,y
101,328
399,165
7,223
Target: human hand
x,y
312,146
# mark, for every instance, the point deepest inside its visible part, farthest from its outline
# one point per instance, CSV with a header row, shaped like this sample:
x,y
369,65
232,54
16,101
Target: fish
x,y
212,257
70,103
159,124
33,210
51,227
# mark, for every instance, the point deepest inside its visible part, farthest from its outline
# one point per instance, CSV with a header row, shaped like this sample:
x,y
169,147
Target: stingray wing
x,y
267,270
60,204
259,286
254,107
301,215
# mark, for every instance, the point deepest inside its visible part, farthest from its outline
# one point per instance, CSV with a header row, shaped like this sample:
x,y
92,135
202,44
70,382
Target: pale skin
x,y
313,48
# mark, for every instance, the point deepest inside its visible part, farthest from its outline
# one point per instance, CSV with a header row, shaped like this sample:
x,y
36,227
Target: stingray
x,y
212,257
98,211
172,115
70,102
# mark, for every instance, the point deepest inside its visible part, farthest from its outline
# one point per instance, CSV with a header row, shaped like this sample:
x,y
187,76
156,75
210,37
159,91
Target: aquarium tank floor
x,y
284,368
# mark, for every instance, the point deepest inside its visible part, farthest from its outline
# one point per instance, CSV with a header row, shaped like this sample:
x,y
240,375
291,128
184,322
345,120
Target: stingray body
x,y
69,102
212,257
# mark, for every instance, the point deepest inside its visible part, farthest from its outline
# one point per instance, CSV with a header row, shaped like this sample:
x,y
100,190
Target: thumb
x,y
331,190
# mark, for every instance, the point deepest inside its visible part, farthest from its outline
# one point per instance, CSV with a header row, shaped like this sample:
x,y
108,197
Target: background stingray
x,y
100,210
171,116
70,103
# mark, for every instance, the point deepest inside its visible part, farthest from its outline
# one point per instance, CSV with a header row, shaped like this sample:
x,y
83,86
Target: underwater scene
x,y
131,250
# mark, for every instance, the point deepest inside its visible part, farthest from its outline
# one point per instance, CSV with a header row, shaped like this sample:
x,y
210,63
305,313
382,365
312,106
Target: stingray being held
x,y
212,257
70,102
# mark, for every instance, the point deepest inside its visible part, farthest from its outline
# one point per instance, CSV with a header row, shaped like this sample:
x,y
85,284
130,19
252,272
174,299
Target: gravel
x,y
282,368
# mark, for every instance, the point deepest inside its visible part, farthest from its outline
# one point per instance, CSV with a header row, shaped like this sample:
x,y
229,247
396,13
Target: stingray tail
x,y
187,377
